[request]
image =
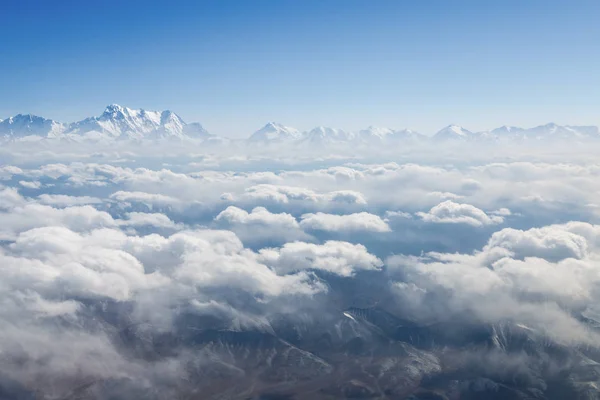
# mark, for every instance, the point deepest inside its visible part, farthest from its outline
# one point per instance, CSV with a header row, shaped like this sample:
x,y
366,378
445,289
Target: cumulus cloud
x,y
280,194
115,264
260,224
7,172
157,220
149,199
31,184
541,278
393,215
32,215
341,258
449,212
357,222
259,215
62,200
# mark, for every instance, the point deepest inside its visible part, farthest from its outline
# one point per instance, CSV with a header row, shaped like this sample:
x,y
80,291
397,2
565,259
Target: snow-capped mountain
x,y
121,122
591,131
27,126
406,135
501,133
507,130
196,130
116,122
273,132
554,131
453,132
549,131
325,135
374,134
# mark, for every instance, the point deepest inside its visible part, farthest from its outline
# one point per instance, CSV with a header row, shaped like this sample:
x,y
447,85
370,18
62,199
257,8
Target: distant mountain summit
x,y
453,132
26,125
123,123
325,135
546,132
116,122
274,132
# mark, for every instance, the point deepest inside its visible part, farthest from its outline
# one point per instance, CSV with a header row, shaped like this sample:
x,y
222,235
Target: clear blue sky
x,y
234,65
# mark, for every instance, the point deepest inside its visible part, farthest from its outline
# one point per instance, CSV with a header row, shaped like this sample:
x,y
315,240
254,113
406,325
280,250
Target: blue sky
x,y
234,65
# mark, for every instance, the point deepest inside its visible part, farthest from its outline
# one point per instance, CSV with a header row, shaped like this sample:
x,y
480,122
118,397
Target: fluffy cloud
x,y
259,215
279,194
157,220
124,257
261,225
340,258
449,212
149,199
61,200
31,184
541,278
32,215
358,222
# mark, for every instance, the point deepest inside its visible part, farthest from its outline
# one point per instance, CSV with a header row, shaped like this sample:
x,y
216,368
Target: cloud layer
x,y
139,274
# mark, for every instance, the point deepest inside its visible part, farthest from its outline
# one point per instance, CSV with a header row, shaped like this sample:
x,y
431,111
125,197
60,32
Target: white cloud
x,y
259,215
149,199
449,212
69,254
393,215
358,222
139,219
541,278
260,225
61,200
7,172
30,184
10,198
280,194
32,215
341,258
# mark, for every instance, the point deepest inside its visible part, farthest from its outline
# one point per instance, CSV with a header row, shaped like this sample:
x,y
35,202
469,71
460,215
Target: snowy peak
x,y
116,122
554,131
503,130
452,132
196,130
23,125
274,132
126,123
406,135
322,134
374,133
119,122
591,131
550,131
380,135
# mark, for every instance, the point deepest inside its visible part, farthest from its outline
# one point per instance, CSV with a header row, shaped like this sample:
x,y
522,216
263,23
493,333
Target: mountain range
x,y
123,123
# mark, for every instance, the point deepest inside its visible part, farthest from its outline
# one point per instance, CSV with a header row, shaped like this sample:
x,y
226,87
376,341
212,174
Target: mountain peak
x,y
507,129
114,108
122,122
274,125
453,131
274,132
376,131
323,134
22,125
